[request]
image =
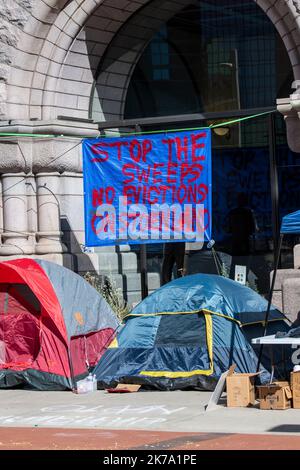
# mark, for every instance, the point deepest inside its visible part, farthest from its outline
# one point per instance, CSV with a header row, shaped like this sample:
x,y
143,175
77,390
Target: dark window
x,y
216,55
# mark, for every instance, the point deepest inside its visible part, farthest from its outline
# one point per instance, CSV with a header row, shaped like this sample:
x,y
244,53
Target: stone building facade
x,y
55,55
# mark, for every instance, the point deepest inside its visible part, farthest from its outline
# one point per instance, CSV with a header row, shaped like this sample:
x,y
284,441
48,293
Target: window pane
x,y
217,55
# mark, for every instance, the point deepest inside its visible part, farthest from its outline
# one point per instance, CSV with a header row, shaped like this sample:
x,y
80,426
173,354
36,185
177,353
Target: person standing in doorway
x,y
173,254
241,225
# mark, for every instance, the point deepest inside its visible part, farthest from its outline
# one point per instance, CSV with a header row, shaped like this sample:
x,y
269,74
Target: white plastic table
x,y
271,340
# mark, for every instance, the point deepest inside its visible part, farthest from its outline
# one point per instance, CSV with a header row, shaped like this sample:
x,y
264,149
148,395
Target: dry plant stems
x,y
106,286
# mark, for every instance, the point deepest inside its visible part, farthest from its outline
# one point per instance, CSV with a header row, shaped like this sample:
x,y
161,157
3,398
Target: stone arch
x,y
285,16
24,27
60,43
117,63
40,76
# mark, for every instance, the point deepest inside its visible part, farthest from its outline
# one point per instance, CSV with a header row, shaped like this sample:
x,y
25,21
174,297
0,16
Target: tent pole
x,y
143,252
274,182
270,297
143,267
72,371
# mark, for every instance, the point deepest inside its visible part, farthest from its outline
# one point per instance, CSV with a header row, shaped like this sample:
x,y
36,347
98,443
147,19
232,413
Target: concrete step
x,y
112,249
128,262
132,281
104,249
133,298
291,298
117,262
282,275
277,300
122,248
108,263
115,279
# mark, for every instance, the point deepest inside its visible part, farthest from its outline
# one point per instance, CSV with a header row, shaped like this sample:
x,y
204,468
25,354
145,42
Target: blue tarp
x,y
291,223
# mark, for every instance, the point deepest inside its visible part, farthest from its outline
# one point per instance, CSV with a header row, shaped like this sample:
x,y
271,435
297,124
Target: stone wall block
x,y
291,298
13,159
57,155
297,256
283,274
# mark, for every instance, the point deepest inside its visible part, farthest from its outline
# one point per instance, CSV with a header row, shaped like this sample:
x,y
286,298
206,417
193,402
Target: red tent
x,y
53,325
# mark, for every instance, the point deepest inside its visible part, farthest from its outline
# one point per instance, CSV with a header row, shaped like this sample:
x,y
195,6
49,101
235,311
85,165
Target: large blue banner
x,y
148,189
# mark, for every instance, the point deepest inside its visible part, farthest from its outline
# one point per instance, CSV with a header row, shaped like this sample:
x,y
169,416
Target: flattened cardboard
x,y
219,389
124,388
295,386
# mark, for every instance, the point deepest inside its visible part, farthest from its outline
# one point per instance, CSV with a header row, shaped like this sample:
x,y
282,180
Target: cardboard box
x,y
275,396
240,389
295,386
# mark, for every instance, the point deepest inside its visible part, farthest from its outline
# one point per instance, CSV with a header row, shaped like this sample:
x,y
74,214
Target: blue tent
x,y
187,333
291,223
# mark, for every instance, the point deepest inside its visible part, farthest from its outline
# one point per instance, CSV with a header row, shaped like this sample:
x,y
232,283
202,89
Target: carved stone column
x,y
49,231
31,208
15,236
51,190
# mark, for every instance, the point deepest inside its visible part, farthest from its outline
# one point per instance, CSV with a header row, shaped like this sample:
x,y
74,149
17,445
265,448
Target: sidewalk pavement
x,y
174,420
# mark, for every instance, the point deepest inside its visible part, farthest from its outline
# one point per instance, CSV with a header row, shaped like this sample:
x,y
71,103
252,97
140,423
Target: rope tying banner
x,y
126,134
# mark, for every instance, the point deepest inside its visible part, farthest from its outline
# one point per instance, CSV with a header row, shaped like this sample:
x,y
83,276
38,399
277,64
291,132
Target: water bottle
x,y
89,382
82,386
94,382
